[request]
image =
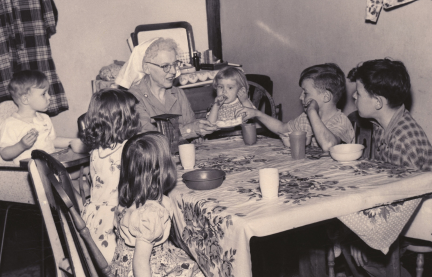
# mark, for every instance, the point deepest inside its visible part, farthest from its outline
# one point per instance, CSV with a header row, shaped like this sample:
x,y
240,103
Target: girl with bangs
x,y
143,216
110,121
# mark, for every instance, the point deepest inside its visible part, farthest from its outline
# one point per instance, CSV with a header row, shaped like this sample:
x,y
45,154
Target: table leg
x,y
393,265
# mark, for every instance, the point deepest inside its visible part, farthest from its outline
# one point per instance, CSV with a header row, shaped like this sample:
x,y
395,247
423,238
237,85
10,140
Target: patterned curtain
x,y
25,29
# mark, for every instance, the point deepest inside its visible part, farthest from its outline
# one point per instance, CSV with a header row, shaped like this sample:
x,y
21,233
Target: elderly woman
x,y
149,75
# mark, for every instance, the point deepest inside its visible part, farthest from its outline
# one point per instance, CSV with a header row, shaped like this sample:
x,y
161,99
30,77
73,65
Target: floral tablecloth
x,y
216,225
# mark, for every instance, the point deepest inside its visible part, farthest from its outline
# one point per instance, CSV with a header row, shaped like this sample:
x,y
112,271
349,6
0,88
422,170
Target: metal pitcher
x,y
168,125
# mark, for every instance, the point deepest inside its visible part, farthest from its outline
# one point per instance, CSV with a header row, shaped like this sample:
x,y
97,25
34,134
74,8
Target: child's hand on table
x,y
29,139
78,146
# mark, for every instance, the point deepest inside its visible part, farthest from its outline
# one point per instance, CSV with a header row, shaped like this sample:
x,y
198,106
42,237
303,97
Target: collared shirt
x,y
14,129
176,102
338,124
403,142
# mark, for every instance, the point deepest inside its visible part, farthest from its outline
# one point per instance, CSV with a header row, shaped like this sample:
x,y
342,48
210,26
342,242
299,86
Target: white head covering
x,y
132,71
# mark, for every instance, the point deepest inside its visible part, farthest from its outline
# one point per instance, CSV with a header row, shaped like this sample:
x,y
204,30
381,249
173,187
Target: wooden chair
x,y
418,232
75,252
363,133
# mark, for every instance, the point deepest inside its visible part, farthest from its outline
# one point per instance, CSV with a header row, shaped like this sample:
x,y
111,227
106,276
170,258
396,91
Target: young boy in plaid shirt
x,y
322,87
382,88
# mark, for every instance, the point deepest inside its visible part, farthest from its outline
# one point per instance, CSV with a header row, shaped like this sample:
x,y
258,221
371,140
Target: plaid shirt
x,y
25,28
338,124
403,142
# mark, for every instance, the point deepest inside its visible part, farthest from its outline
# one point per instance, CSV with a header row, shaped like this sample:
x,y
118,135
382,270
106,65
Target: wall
x,y
91,34
280,38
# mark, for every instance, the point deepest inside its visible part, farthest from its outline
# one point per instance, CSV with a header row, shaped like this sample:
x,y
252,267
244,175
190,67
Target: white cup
x,y
269,182
187,155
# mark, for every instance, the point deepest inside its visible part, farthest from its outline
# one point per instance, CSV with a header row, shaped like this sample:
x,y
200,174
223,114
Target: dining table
x,y
373,199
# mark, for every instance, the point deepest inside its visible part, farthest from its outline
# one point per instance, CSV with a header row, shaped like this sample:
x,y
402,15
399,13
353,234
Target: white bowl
x,y
202,75
184,78
193,78
346,152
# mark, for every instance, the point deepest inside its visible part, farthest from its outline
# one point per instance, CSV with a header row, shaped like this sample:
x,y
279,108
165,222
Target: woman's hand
x,y
246,113
205,127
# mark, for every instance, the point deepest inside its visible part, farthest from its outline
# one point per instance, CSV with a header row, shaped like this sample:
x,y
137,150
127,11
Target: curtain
x,y
25,29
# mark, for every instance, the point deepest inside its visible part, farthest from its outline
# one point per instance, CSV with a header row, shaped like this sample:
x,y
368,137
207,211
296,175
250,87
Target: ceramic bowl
x,y
212,74
193,77
346,152
184,78
204,179
202,75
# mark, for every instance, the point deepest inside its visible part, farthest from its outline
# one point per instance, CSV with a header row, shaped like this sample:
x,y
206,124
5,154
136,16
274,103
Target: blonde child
x,y
30,128
143,216
322,87
110,121
232,95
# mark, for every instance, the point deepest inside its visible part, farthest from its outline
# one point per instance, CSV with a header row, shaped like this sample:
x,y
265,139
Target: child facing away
x,y
30,128
232,95
382,87
322,87
143,216
110,121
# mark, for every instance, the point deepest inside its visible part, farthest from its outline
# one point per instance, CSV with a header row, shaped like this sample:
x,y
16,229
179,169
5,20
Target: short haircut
x,y
385,78
147,169
161,44
231,72
111,118
23,81
326,76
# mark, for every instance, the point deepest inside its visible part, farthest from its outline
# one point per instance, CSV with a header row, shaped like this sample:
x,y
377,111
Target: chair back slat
x,y
78,248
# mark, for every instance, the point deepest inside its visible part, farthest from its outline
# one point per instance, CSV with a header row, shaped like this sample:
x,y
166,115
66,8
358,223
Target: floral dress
x,y
150,223
98,212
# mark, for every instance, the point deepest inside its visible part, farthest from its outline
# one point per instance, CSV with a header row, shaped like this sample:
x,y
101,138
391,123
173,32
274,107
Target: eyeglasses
x,y
167,67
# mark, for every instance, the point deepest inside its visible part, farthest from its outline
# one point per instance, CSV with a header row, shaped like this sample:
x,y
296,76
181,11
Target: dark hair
x,y
231,72
111,118
23,81
147,169
326,76
385,78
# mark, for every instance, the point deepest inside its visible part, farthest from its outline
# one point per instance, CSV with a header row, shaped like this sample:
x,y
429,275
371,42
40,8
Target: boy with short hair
x,y
323,85
29,128
382,87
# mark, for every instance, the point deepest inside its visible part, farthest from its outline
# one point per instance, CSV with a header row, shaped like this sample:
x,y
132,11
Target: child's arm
x,y
213,115
11,152
271,123
141,259
324,136
62,142
75,143
244,99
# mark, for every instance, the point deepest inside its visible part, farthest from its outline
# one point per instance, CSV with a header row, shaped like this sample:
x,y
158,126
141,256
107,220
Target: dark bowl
x,y
204,179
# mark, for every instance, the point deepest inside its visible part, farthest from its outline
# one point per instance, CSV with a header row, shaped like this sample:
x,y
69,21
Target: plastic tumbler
x,y
249,133
298,144
269,182
187,155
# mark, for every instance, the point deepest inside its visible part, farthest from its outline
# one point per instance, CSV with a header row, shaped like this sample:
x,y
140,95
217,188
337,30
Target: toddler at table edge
x,y
110,121
232,89
30,128
143,215
322,87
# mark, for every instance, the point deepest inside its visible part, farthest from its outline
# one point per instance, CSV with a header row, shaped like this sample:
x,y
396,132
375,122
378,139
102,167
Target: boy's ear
x,y
328,96
379,103
24,99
